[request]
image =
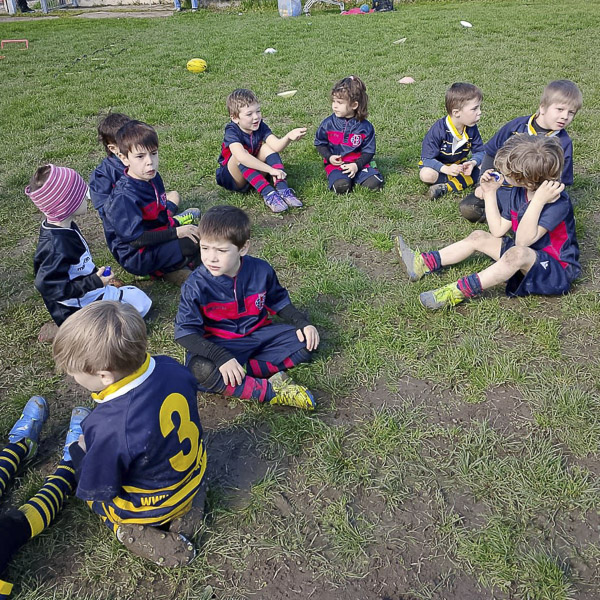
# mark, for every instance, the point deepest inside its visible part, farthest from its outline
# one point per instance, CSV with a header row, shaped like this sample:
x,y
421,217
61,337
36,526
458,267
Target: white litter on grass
x,y
287,94
466,24
270,51
406,80
400,41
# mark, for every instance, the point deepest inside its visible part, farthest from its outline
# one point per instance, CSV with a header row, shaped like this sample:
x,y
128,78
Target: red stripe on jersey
x,y
558,238
230,335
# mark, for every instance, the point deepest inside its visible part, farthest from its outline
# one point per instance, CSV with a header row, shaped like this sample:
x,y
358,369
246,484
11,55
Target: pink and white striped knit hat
x,y
61,195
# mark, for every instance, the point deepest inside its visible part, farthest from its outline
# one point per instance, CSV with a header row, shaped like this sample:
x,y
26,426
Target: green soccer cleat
x,y
413,262
188,217
290,393
28,427
449,295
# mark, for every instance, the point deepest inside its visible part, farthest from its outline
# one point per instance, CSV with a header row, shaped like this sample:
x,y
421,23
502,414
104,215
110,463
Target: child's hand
x,y
188,231
310,335
336,160
277,173
350,169
452,170
467,167
296,134
104,279
548,192
489,183
233,373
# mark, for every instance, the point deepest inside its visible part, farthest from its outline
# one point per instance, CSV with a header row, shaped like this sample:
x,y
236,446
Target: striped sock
x,y
459,182
252,388
274,160
5,589
432,260
263,368
256,180
470,285
10,459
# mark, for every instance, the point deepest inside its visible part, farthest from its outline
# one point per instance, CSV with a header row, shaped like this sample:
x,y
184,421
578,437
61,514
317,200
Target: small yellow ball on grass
x,y
196,65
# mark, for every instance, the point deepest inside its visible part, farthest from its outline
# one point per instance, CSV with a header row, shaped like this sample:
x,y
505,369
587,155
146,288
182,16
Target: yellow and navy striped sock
x,y
5,589
10,459
42,508
459,183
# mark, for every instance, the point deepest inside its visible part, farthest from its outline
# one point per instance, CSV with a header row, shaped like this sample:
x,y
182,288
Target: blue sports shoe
x,y
28,427
78,414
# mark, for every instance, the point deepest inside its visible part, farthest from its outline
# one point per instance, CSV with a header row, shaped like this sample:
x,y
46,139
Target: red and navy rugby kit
x,y
444,145
557,263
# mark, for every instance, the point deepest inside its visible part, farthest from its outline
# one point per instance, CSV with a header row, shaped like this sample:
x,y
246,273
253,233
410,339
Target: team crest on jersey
x,y
260,300
163,199
355,139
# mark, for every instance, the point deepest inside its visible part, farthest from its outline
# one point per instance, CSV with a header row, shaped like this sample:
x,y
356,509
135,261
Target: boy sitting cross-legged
x,y
140,231
541,258
141,459
223,319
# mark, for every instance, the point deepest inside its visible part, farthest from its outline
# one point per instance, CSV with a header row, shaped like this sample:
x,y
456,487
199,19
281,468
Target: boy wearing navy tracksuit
x,y
224,321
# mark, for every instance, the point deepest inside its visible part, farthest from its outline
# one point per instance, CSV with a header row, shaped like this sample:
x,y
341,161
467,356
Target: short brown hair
x,y
530,159
352,89
562,90
239,99
102,336
225,222
39,178
136,134
108,127
458,94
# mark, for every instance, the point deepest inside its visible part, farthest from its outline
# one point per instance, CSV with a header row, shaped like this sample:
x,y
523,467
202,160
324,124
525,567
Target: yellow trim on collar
x,y
461,136
117,385
531,129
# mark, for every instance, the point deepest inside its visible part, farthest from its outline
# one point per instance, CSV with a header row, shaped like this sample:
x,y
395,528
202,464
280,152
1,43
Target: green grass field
x,y
453,455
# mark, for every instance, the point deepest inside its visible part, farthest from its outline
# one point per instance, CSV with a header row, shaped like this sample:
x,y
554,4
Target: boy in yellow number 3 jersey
x,y
140,461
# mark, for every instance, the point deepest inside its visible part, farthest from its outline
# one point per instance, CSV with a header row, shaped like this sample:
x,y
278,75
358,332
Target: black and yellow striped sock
x,y
459,183
10,459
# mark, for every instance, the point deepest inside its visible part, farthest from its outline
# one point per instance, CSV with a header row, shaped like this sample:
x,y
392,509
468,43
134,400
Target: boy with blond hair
x,y
541,258
141,459
560,102
445,162
224,321
250,151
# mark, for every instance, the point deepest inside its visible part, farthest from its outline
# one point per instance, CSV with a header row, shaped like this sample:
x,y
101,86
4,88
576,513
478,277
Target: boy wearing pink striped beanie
x,y
65,274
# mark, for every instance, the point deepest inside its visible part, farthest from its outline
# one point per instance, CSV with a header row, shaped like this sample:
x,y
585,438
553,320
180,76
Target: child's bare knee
x,y
519,257
478,236
428,175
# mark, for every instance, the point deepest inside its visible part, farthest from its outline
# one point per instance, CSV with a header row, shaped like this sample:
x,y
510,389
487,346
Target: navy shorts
x,y
359,178
547,277
224,179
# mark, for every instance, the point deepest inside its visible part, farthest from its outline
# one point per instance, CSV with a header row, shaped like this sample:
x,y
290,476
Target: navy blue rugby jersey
x,y
252,142
527,125
103,180
347,137
560,241
444,145
144,455
230,307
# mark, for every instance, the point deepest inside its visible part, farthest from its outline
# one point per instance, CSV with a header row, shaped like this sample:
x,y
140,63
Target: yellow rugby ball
x,y
196,65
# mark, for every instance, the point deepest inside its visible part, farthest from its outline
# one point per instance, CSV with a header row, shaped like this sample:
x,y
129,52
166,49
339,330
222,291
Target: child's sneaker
x,y
29,425
290,198
437,190
449,295
78,414
275,202
290,393
413,262
188,217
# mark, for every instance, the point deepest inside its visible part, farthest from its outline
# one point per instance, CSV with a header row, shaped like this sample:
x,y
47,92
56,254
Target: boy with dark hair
x,y
139,229
223,321
445,163
541,258
250,151
65,274
560,102
141,458
18,526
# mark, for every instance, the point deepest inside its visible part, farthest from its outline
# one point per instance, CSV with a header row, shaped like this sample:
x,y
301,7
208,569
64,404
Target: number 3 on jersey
x,y
187,430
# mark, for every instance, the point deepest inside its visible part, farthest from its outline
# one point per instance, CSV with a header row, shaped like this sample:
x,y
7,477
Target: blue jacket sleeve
x,y
101,187
368,144
189,316
555,213
321,138
430,149
124,215
277,296
477,151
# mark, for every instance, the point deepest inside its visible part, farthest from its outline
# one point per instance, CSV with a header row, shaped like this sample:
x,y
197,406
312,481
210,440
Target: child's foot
x,y
164,548
275,202
189,524
78,414
449,295
188,217
437,190
290,393
413,262
48,331
29,425
290,198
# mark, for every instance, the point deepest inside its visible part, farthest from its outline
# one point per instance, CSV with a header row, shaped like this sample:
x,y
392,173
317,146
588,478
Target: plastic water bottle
x,y
289,8
107,272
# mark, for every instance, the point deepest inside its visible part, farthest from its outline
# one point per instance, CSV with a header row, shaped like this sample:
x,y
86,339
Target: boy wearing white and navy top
x,y
445,162
560,102
65,274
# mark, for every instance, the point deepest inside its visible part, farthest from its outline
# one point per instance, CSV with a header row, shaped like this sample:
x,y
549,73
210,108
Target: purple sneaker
x,y
290,198
275,202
